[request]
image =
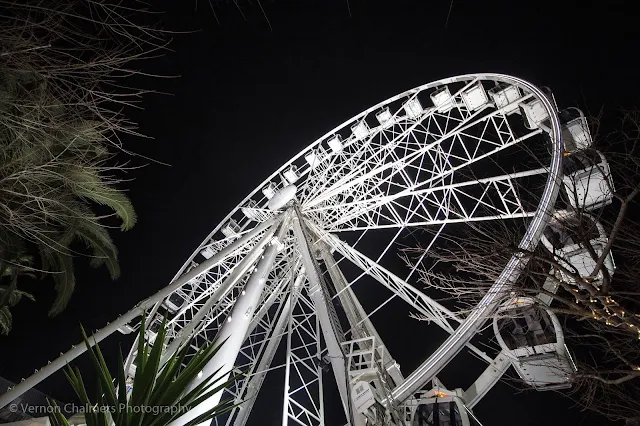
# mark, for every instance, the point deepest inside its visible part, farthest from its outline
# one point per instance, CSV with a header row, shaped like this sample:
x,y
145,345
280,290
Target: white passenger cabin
x,y
269,190
505,96
532,337
250,210
291,175
335,143
475,97
384,117
413,108
442,99
175,301
587,180
575,131
533,113
442,407
231,229
560,237
360,130
153,328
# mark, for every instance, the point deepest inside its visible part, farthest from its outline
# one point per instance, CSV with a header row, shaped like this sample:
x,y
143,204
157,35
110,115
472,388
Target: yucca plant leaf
x,y
142,394
55,416
154,385
220,409
166,379
104,376
122,390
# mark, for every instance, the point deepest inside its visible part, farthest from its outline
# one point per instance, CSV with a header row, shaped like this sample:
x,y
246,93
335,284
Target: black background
x,y
250,96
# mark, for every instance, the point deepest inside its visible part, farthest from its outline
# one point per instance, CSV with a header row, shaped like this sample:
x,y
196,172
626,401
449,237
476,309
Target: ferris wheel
x,y
287,267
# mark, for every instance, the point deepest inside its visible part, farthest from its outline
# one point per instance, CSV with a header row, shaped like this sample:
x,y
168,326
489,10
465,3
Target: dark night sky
x,y
250,97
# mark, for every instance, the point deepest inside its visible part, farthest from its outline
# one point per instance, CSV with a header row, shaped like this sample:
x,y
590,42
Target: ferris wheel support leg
x,y
317,295
255,383
124,319
358,319
232,333
217,295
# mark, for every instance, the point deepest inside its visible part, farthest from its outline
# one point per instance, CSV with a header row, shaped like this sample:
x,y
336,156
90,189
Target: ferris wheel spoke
x,y
376,201
491,130
246,388
199,296
472,200
422,303
279,276
425,126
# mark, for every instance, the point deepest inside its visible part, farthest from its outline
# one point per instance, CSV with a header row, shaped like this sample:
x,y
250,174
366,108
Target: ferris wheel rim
x,y
548,197
497,77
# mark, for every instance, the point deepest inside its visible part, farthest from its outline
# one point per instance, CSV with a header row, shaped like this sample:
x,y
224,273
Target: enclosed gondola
x,y
531,335
587,180
442,407
561,237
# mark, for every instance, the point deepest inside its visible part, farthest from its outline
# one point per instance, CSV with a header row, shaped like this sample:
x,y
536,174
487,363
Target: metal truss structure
x,y
285,267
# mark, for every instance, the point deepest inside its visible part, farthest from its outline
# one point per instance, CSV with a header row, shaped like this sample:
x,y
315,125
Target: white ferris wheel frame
x,y
241,251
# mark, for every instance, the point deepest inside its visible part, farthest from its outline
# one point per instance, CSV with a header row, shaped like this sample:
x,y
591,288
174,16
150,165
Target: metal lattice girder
x,y
256,367
466,201
232,334
411,166
361,326
375,187
330,325
425,305
303,403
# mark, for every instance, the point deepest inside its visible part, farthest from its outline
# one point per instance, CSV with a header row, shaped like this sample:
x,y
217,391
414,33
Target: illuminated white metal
x,y
331,330
475,97
232,334
250,210
441,407
591,186
506,96
384,117
413,108
577,136
335,143
442,99
571,252
139,309
231,229
291,175
419,170
269,190
360,130
282,198
534,113
489,303
487,380
531,336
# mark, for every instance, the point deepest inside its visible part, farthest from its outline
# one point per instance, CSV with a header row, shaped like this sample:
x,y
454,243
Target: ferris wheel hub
x,y
282,197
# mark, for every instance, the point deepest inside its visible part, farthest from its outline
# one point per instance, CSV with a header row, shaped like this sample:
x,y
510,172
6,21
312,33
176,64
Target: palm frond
x,y
15,296
87,183
98,240
6,320
60,264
